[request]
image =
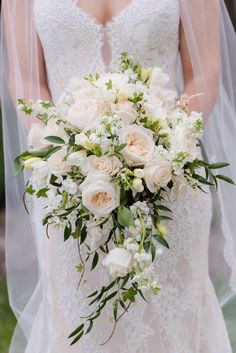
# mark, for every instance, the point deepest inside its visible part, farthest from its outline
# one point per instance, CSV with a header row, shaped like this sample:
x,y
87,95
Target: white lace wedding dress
x,y
185,317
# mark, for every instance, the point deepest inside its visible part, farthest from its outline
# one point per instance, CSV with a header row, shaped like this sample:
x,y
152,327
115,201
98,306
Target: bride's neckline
x,y
112,20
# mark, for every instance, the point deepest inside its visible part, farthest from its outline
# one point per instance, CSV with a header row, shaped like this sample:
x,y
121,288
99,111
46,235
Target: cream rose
x,y
104,164
140,144
119,262
57,164
126,112
84,113
157,173
99,195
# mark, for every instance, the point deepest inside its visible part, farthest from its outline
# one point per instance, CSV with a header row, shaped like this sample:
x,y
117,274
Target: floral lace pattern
x,y
185,317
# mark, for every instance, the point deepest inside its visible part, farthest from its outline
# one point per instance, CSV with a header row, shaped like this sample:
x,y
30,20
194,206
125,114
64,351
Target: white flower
x,y
118,262
140,144
138,173
100,196
154,107
82,140
57,164
183,139
138,185
30,162
36,136
84,113
104,164
125,112
157,173
78,159
53,129
69,186
131,245
157,79
39,175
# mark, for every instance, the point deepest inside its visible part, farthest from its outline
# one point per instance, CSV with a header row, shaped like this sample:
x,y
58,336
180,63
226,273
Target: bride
x,y
47,42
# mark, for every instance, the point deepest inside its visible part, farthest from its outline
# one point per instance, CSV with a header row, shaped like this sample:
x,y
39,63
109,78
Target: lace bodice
x,y
75,44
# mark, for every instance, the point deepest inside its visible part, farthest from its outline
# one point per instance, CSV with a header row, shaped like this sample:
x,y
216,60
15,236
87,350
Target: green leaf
x,y
95,260
202,180
92,294
153,251
120,147
161,240
109,297
225,178
115,309
67,232
89,327
163,218
83,234
163,208
55,139
77,338
42,193
125,217
130,294
30,190
218,165
51,151
77,330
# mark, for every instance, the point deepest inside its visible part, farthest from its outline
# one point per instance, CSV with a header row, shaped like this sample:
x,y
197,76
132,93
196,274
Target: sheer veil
x,y
211,47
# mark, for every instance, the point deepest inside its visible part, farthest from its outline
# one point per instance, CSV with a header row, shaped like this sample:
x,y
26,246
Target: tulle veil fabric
x,y
211,43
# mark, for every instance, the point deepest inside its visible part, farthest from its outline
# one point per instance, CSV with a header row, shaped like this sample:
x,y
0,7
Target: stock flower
x,y
139,144
99,195
157,173
118,262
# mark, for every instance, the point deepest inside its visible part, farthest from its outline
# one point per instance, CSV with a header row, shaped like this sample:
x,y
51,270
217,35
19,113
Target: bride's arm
x,y
200,54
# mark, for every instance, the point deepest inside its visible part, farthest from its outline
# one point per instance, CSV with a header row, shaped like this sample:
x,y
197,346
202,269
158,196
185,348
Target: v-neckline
x,y
113,19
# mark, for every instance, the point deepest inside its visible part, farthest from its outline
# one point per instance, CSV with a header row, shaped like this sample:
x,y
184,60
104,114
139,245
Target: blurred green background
x,y
7,320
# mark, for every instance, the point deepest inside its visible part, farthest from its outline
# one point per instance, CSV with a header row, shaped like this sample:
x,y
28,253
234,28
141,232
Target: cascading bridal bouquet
x,y
104,157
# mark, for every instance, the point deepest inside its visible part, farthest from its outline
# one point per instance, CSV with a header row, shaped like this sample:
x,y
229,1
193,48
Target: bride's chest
x,y
141,20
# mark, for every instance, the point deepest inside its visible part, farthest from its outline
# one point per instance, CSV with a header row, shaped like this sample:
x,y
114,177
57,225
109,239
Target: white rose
x,y
157,173
82,140
125,112
138,185
140,144
79,159
57,164
118,262
104,164
36,136
99,195
84,113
